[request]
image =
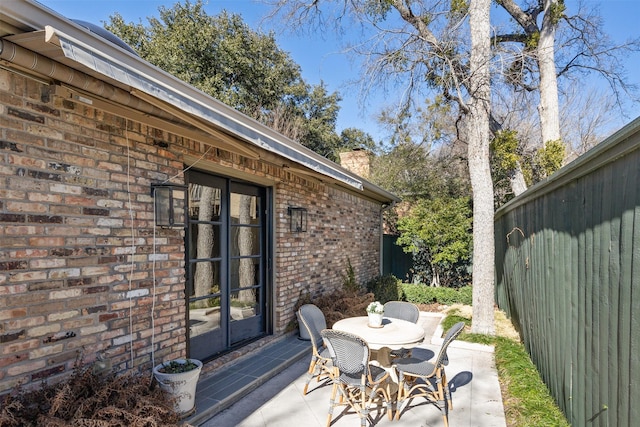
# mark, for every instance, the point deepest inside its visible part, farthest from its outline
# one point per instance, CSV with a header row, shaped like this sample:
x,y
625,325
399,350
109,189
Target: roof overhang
x,y
41,30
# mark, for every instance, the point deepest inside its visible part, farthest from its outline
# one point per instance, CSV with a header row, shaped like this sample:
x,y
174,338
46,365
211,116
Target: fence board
x,y
568,275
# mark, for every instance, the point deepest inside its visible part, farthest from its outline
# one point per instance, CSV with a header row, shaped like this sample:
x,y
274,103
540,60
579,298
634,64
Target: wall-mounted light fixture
x,y
298,219
169,201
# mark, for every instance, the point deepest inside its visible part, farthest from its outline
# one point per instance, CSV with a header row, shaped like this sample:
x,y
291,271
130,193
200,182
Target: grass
x,y
526,399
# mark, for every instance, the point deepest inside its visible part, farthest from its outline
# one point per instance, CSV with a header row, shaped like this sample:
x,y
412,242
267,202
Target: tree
x,y
245,69
586,116
535,65
354,138
320,110
538,40
219,55
422,45
440,228
477,131
430,126
413,173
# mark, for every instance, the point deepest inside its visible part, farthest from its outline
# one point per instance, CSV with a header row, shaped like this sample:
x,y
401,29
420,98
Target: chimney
x,y
357,161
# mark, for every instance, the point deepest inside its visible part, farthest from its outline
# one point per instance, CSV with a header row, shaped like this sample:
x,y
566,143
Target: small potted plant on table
x,y
179,378
375,311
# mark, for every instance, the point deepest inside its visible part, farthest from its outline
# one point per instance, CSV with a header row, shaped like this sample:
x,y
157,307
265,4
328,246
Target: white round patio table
x,y
393,335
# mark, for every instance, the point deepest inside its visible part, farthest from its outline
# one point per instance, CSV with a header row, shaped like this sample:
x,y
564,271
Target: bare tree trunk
x,y
435,278
202,281
477,133
518,184
548,107
245,246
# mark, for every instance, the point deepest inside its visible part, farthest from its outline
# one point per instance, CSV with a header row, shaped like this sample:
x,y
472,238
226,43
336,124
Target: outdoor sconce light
x,y
167,212
298,219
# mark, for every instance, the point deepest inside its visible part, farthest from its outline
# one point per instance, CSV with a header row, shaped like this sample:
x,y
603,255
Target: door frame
x,y
267,247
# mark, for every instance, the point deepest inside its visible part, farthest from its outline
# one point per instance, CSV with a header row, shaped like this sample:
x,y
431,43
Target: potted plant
x,y
375,311
179,378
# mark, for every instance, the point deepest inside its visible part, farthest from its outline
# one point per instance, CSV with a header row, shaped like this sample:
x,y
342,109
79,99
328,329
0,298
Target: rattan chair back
x,y
349,352
358,383
312,318
402,310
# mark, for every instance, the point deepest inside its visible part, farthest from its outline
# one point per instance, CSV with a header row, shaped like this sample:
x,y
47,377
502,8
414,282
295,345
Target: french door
x,y
226,264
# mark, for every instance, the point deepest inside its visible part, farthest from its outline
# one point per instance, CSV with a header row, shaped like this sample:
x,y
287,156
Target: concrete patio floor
x,y
278,401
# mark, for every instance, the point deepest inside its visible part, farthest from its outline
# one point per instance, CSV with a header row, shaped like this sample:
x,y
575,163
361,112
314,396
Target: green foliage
x,y
505,159
535,166
377,10
385,288
556,11
532,41
176,367
414,163
452,318
549,158
459,7
408,170
402,170
320,110
349,283
353,138
530,403
422,294
440,229
504,148
424,127
243,68
219,54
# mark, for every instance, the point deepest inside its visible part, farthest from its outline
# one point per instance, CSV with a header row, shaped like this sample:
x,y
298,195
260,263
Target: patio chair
x,y
312,318
404,311
357,382
418,378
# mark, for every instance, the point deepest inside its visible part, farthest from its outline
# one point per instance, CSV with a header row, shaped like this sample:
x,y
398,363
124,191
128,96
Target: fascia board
x,y
151,80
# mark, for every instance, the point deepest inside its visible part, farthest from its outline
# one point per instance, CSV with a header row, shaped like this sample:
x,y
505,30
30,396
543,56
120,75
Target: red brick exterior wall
x,y
77,237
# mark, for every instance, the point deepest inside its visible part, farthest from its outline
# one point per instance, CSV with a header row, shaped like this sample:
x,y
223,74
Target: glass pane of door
x,y
206,267
245,260
225,264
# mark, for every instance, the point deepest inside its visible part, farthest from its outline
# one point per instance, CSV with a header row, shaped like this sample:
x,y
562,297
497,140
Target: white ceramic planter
x,y
375,320
181,386
303,333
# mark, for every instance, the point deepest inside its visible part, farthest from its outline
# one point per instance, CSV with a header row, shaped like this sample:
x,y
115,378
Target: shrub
x,y
385,288
89,399
422,294
175,367
336,306
349,283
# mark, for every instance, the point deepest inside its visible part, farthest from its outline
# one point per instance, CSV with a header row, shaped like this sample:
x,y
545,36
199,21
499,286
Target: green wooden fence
x,y
568,274
394,260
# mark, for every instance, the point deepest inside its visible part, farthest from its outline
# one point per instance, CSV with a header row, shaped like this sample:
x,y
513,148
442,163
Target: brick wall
x,y
77,243
341,229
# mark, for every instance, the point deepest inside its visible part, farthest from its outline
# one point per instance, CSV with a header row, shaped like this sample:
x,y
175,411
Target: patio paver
x,y
266,390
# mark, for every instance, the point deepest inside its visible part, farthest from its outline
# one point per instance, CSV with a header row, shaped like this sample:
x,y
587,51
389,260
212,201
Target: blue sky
x,y
320,57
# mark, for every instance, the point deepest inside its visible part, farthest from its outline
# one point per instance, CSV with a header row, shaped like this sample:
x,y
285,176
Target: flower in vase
x,y
375,307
